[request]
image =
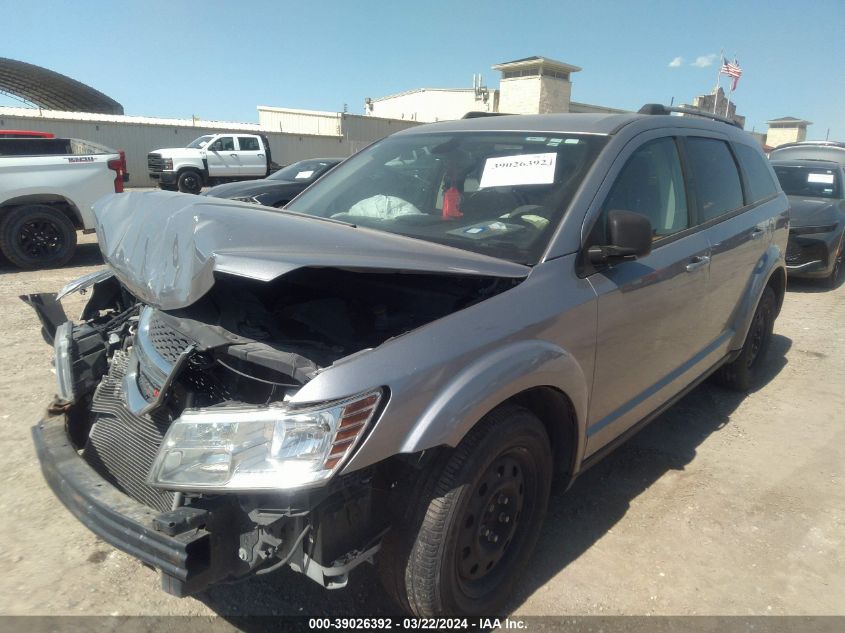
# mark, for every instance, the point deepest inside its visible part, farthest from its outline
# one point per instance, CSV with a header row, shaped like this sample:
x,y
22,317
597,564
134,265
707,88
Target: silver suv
x,y
396,366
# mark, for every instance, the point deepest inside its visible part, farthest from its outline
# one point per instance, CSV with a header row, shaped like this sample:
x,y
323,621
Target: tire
x,y
739,374
37,236
470,533
833,279
190,181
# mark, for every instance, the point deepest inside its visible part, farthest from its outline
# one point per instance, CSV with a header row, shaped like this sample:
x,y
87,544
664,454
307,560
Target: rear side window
x,y
651,183
248,143
716,178
760,182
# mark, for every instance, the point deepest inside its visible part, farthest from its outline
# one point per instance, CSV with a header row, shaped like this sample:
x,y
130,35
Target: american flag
x,y
731,69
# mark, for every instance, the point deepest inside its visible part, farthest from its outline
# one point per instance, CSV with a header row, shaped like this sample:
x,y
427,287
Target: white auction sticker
x,y
304,174
826,179
522,169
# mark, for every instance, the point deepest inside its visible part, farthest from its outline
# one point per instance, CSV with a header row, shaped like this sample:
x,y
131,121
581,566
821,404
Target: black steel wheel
x,y
739,374
190,181
37,236
475,520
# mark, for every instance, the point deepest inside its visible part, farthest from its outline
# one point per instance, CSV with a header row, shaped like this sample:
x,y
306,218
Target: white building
x,y
533,85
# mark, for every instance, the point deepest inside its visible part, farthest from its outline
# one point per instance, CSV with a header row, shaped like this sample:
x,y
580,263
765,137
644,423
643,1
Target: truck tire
x,y
470,531
190,181
37,236
739,374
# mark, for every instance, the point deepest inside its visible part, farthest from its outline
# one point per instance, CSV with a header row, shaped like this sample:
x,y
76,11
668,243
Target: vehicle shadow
x,y
85,255
811,286
575,521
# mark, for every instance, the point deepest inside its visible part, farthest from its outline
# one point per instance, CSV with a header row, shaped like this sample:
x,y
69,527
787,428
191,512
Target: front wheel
x,y
472,529
190,181
739,374
37,236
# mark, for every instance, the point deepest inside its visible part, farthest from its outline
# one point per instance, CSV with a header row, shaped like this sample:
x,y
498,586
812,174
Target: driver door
x,y
223,159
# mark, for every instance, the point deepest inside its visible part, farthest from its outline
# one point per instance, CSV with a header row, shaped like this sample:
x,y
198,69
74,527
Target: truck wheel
x,y
470,532
739,374
37,236
190,181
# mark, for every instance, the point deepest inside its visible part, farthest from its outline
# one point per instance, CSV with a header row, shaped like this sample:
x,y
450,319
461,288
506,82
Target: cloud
x,y
703,61
675,63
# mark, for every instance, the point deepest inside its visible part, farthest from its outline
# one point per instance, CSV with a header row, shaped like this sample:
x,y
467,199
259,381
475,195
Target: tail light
x,y
119,166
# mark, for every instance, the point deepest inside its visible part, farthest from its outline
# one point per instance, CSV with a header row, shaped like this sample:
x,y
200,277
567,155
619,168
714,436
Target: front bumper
x,y
182,544
811,256
164,177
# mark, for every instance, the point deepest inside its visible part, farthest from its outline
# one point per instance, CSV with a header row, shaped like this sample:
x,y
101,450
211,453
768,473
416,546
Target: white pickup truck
x,y
210,159
47,187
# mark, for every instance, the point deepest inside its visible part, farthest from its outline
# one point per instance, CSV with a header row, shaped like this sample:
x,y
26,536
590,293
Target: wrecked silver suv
x,y
395,367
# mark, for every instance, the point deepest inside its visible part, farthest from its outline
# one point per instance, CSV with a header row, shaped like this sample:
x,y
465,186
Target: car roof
x,y
580,123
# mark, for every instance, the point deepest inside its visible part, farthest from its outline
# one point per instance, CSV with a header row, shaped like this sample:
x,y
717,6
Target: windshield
x,y
498,193
808,181
303,170
200,142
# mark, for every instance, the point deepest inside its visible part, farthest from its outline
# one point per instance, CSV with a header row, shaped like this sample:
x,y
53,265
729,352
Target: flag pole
x,y
718,80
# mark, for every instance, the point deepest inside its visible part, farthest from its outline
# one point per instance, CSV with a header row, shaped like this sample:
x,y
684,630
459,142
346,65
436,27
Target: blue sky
x,y
219,60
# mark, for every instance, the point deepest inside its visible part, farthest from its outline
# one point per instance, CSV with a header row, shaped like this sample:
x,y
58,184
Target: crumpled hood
x,y
165,247
813,211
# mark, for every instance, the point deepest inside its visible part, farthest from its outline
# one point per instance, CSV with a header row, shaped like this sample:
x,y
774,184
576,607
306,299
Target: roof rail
x,y
657,108
479,115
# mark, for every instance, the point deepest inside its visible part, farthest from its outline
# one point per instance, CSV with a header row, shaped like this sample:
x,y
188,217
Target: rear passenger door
x,y
252,156
650,311
738,229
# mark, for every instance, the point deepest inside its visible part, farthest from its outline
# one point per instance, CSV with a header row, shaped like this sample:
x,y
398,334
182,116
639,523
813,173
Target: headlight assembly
x,y
270,448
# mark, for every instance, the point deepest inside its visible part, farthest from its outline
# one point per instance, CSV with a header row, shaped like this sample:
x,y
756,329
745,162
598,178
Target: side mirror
x,y
630,237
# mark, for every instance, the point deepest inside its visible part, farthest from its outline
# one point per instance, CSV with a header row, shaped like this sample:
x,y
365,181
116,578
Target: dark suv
x,y
395,367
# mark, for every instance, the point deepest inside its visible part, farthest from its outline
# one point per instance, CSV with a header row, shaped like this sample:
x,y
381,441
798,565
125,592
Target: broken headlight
x,y
277,447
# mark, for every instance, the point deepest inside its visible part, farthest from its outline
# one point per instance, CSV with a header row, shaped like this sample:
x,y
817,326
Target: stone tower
x,y
535,85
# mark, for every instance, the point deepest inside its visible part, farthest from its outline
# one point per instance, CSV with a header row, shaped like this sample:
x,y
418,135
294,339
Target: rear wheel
x,y
190,181
474,525
37,236
739,375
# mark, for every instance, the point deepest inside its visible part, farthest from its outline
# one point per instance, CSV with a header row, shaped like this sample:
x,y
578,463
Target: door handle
x,y
697,262
233,155
756,234
260,155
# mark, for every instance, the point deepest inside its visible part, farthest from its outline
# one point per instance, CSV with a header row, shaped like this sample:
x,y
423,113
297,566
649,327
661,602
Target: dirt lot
x,y
725,505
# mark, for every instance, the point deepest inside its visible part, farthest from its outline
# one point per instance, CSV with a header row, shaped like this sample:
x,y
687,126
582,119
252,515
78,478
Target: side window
x,y
760,182
717,183
223,144
651,183
248,143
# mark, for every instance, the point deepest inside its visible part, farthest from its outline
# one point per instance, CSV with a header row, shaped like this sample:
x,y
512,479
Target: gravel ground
x,y
724,505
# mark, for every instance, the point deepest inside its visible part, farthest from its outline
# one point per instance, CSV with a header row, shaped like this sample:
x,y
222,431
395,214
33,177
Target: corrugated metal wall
x,y
299,121
139,139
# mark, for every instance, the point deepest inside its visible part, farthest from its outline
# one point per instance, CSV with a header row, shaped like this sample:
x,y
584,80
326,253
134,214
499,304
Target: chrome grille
x,y
121,446
155,162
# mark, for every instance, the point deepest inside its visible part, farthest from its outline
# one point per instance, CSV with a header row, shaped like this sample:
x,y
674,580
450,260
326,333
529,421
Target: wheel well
x,y
199,170
51,200
555,411
777,282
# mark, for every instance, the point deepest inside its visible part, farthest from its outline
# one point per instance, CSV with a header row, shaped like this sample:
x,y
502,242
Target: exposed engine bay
x,y
128,371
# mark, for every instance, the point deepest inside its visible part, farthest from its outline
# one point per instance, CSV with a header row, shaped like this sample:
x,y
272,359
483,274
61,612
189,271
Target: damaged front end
x,y
176,435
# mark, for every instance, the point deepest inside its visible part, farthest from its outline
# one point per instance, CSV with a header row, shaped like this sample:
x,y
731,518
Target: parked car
x,y
810,150
47,187
817,218
211,159
397,365
278,188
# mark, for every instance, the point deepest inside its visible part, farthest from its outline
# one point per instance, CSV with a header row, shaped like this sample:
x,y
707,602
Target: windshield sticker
x,y
554,142
304,174
523,169
535,139
826,179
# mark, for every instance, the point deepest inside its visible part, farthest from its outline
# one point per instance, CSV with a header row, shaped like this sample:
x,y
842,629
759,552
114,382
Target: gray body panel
x,y
618,343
